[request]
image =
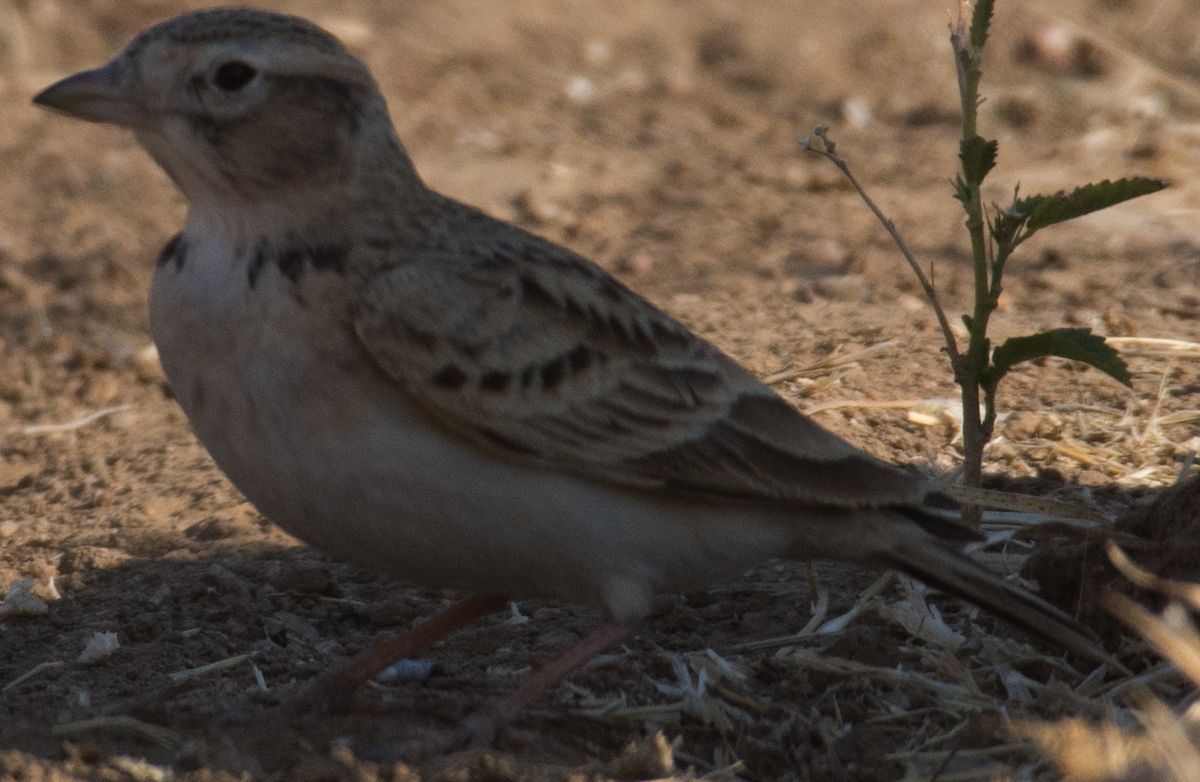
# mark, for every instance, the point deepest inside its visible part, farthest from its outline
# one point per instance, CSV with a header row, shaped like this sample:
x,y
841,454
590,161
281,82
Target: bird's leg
x,y
334,692
480,728
337,689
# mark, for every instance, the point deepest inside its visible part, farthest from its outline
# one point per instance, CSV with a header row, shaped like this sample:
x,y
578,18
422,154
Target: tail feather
x,y
941,517
958,574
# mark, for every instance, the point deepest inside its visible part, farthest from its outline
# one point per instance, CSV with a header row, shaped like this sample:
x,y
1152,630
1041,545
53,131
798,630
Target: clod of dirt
x,y
84,558
650,758
1059,50
1172,525
1075,574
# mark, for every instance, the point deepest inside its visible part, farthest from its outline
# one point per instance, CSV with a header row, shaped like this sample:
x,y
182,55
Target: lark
x,y
408,384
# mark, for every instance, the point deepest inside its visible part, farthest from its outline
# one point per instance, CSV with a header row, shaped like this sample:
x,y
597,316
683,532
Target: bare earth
x,y
658,137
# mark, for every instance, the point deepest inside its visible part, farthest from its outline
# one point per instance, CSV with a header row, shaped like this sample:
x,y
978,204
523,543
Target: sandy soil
x,y
658,137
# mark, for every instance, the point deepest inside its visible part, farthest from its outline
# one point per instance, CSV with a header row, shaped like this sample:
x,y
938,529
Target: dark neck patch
x,y
293,260
176,250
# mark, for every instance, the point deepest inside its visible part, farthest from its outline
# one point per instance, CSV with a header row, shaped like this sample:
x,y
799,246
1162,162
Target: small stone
x,y
84,558
1021,425
290,625
650,758
22,600
580,89
147,365
1057,49
532,208
409,670
842,287
637,264
856,112
311,578
101,389
826,253
99,648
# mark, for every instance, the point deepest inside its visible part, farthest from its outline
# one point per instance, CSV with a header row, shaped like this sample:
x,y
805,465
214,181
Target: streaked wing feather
x,y
542,355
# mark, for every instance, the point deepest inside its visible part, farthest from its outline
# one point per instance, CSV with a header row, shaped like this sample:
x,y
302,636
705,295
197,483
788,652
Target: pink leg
x,y
338,688
480,728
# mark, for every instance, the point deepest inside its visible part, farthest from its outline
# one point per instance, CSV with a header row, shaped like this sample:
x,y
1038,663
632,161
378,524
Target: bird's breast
x,y
268,371
276,388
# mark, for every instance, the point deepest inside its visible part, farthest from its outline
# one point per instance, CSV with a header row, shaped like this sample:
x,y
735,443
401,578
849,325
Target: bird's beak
x,y
95,96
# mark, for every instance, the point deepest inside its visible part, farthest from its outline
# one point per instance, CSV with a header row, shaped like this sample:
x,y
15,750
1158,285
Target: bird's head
x,y
243,106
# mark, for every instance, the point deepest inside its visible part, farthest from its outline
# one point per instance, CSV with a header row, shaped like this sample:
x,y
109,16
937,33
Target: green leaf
x,y
1074,344
978,157
1005,225
961,191
981,19
1044,210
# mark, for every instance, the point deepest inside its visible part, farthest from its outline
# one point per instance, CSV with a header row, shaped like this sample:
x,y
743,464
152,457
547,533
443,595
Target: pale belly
x,y
333,452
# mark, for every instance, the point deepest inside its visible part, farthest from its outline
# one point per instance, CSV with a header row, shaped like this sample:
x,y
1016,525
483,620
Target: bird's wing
x,y
529,350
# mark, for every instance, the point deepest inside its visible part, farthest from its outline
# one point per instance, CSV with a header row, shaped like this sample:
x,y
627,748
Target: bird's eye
x,y
233,75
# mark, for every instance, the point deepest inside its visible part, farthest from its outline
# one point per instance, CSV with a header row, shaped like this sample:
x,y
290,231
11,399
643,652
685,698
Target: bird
x,y
411,385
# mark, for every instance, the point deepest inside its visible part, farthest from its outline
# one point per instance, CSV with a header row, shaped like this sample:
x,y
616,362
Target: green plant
x,y
995,234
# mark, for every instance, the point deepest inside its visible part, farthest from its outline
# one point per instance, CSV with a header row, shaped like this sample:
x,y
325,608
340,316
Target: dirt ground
x,y
658,137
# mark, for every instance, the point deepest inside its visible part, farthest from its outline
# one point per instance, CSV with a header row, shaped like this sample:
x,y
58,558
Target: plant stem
x,y
968,61
828,150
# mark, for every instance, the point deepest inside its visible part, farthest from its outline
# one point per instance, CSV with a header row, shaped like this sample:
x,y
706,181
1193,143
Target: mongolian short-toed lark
x,y
411,385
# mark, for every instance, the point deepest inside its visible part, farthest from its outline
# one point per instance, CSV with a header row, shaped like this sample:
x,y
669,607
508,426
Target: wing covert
x,y
542,355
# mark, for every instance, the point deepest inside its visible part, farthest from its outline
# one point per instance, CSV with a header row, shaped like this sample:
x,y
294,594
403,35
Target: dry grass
x,y
1165,742
958,677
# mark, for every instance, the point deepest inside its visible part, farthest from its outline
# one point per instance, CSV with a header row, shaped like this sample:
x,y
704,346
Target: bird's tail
x,y
958,574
